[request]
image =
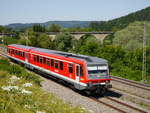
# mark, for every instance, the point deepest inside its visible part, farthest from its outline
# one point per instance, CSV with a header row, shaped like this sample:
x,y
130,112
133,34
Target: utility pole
x,y
26,35
144,55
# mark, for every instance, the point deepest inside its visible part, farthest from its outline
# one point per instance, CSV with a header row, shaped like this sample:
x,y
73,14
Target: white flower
x,y
26,106
40,112
15,78
8,88
27,85
25,91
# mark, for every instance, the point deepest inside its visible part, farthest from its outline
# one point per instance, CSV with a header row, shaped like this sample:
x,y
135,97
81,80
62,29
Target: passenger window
x,y
12,51
23,54
35,58
56,64
48,62
40,59
8,50
52,62
15,52
70,68
61,65
19,53
44,60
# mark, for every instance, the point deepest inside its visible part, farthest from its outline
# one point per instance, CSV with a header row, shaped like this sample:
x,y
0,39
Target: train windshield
x,y
97,72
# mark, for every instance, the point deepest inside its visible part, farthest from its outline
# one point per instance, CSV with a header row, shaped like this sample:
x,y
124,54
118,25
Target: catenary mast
x,y
144,55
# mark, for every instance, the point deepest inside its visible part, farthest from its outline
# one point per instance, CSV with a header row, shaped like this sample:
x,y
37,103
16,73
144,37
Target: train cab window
x,y
56,64
70,68
44,60
48,62
40,59
52,62
61,65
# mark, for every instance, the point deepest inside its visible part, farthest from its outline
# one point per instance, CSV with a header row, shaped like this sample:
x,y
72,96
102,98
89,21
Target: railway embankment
x,y
20,92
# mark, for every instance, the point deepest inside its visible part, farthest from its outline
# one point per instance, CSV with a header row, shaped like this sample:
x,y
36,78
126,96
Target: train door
x,y
77,73
26,57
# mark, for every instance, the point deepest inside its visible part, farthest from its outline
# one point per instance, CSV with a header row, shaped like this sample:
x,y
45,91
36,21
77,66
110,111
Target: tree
x,y
131,37
2,29
44,41
54,28
64,41
87,44
38,28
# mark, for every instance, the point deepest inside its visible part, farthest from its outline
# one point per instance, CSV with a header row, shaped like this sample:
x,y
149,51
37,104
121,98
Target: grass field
x,y
20,92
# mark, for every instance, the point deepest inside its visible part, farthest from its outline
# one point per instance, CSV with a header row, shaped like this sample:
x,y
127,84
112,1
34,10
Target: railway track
x,y
131,87
122,107
133,83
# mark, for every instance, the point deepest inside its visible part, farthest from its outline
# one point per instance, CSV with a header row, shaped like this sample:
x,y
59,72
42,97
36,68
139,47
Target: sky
x,y
32,11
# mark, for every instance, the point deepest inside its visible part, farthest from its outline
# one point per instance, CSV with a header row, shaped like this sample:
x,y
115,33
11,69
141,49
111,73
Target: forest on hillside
x,y
122,22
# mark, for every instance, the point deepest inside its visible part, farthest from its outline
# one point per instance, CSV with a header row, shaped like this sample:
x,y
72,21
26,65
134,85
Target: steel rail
x,y
127,105
124,81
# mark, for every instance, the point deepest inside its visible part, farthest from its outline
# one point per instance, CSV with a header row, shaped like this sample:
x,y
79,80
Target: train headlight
x,y
90,84
107,81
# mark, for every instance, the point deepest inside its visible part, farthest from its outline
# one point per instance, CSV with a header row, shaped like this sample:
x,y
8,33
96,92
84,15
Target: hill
x,y
122,22
64,24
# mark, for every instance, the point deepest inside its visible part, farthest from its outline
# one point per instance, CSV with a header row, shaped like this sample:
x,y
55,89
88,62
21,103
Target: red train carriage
x,y
83,72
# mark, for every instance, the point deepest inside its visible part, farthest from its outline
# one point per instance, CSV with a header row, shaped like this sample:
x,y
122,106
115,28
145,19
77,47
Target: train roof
x,y
88,59
21,46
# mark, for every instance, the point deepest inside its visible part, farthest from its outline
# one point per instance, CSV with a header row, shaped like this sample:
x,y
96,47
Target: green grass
x,y
14,101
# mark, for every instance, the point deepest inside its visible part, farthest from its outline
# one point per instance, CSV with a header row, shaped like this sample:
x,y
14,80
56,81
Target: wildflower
x,y
40,112
8,88
25,91
27,85
13,79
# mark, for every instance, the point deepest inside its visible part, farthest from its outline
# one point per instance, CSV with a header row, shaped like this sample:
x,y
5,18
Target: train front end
x,y
98,78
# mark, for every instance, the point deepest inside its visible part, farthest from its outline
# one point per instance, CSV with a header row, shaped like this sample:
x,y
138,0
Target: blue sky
x,y
28,11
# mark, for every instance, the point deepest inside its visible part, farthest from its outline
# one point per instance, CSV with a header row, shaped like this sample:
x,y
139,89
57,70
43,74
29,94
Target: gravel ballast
x,y
74,98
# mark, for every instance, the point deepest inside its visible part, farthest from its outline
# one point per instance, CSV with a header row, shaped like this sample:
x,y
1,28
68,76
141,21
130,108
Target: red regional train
x,y
85,73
